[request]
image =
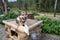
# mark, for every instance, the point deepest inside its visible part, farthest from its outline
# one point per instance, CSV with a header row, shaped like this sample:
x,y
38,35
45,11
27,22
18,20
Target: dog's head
x,y
22,18
23,13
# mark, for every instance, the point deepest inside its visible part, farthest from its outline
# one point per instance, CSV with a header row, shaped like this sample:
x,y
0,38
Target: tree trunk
x,y
37,5
55,6
5,5
19,4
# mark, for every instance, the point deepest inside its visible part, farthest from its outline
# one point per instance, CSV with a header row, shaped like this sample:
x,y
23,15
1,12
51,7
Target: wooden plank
x,y
35,24
15,26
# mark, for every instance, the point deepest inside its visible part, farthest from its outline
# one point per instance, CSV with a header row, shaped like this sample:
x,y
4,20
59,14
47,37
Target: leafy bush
x,y
1,18
14,10
50,25
10,15
35,12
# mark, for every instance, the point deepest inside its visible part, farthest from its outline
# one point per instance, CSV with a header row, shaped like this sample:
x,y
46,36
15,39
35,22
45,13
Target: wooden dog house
x,y
12,33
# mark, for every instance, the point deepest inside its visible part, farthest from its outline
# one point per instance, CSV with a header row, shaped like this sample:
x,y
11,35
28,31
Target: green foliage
x,y
1,18
50,25
13,13
35,12
41,5
9,15
14,10
12,4
47,5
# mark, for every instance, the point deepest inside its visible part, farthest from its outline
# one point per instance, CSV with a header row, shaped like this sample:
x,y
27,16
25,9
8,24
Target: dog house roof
x,y
30,23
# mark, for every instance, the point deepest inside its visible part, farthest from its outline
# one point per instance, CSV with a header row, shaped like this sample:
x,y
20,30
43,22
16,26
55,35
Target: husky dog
x,y
21,24
21,18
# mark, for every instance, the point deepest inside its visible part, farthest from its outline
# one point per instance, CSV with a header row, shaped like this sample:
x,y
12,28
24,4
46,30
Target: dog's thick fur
x,y
21,18
22,27
21,23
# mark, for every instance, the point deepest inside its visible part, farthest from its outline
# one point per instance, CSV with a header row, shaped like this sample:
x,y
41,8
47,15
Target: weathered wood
x,y
7,30
35,24
31,16
15,34
30,27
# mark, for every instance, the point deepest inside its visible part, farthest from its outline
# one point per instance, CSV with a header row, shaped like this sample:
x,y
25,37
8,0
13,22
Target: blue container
x,y
35,36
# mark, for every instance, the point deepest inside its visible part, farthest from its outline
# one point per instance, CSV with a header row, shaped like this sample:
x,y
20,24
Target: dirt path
x,y
50,37
2,33
43,37
50,15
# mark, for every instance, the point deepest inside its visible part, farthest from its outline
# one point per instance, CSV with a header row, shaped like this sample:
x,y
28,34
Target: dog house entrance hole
x,y
13,33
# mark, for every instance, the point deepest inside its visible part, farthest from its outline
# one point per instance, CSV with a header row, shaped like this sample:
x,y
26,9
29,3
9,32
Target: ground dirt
x,y
43,36
50,15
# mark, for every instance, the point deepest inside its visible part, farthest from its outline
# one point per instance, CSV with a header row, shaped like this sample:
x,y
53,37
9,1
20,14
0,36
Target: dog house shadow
x,y
13,33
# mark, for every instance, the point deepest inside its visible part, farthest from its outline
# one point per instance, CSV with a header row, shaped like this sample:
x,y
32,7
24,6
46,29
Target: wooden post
x,y
5,5
55,6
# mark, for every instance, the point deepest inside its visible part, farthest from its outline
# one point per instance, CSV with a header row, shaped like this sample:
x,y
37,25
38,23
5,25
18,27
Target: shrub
x,y
10,15
1,18
50,25
35,12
